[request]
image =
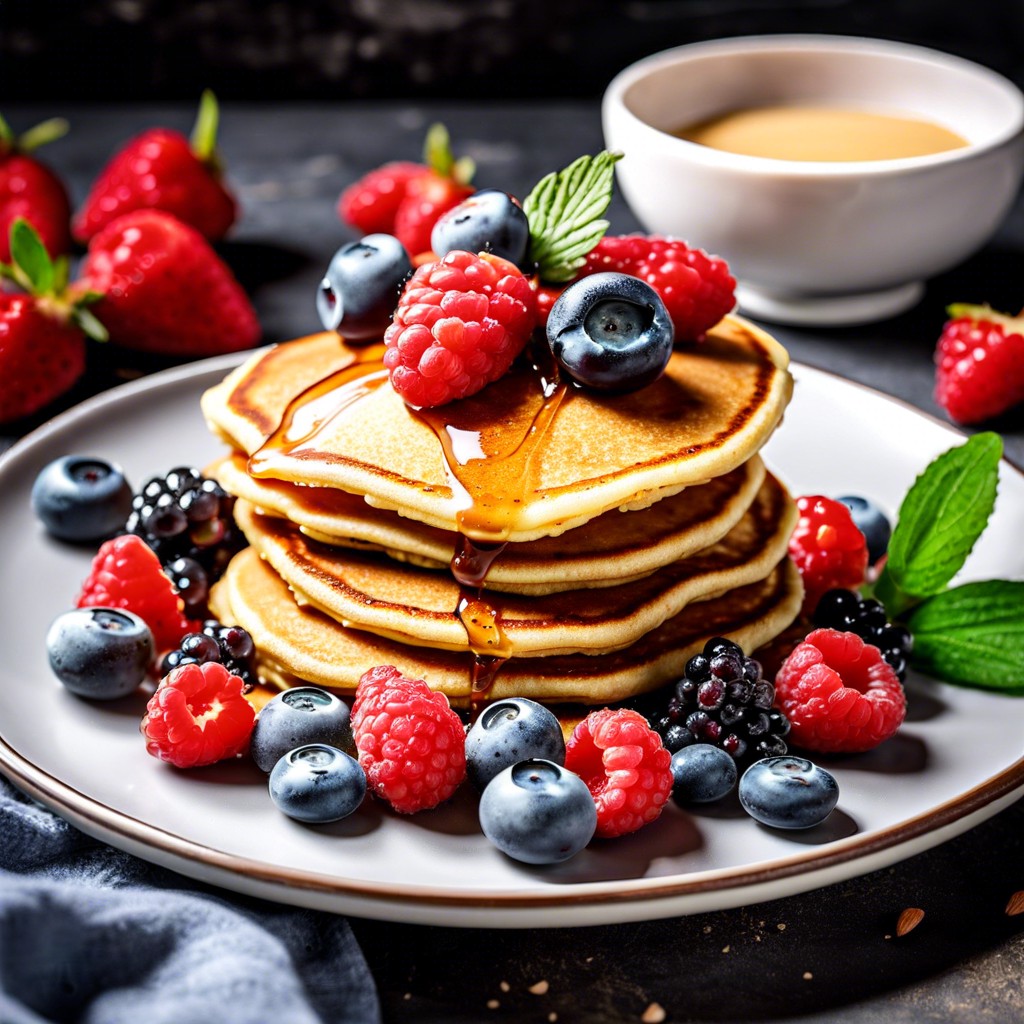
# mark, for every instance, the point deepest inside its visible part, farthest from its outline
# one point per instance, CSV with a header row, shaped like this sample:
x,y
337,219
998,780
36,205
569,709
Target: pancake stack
x,y
534,539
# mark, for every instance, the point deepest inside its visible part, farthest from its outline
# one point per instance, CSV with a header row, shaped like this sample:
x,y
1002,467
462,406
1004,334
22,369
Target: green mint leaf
x,y
564,212
973,635
941,518
33,268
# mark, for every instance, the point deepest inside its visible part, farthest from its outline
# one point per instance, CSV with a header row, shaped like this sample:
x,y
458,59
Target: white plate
x,y
956,761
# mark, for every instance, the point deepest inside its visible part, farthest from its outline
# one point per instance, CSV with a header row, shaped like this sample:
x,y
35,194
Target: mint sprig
x,y
565,211
957,630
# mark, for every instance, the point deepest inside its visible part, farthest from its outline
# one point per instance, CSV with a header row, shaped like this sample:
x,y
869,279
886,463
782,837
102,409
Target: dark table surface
x,y
824,956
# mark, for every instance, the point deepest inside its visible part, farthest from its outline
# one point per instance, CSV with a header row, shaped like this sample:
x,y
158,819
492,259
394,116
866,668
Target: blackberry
x,y
845,610
185,515
723,699
231,646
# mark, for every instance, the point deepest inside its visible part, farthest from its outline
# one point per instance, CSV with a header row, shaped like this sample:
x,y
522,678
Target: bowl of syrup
x,y
835,174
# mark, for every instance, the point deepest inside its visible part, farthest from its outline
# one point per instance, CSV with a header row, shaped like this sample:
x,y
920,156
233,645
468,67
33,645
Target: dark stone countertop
x,y
828,955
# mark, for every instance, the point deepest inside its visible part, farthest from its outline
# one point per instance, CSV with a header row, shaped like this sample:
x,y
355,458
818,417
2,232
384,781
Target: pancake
x,y
613,548
416,606
300,644
524,458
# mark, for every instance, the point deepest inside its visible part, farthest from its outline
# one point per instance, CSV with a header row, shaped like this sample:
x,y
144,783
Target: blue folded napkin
x,y
94,935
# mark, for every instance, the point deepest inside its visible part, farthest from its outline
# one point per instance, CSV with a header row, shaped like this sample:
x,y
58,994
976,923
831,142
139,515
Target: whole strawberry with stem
x,y
979,363
31,190
42,332
445,184
162,170
370,204
165,290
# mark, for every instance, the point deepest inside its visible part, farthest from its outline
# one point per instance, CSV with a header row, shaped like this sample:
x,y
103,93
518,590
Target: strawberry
x,y
979,363
42,333
161,169
370,204
165,290
444,185
29,189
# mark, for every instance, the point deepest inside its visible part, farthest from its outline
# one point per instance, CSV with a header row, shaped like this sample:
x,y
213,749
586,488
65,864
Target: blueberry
x,y
610,332
702,774
872,522
360,290
538,812
488,221
103,653
510,731
295,717
788,792
317,783
82,498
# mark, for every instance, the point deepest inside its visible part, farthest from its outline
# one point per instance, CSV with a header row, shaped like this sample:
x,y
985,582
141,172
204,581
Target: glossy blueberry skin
x,y
610,332
100,653
82,498
537,812
360,290
788,792
317,783
510,731
488,221
703,774
872,522
296,717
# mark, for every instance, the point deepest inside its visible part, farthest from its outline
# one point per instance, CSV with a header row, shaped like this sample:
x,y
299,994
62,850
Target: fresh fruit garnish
x,y
317,783
788,792
370,204
724,700
610,333
30,191
165,290
162,170
509,731
537,812
871,521
358,294
409,741
42,333
697,289
827,548
488,221
848,612
979,363
81,498
839,694
625,766
295,718
427,196
126,574
184,514
100,653
230,646
197,716
702,773
459,324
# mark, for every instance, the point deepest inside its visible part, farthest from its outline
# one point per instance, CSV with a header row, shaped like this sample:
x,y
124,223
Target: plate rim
x,y
650,897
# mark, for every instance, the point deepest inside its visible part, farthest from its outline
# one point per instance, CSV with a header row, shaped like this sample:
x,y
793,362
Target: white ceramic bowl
x,y
818,242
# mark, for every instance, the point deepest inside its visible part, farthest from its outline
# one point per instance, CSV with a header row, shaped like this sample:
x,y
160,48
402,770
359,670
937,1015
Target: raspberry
x,y
839,694
979,364
697,289
625,766
410,743
127,574
827,548
197,716
459,324
370,204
